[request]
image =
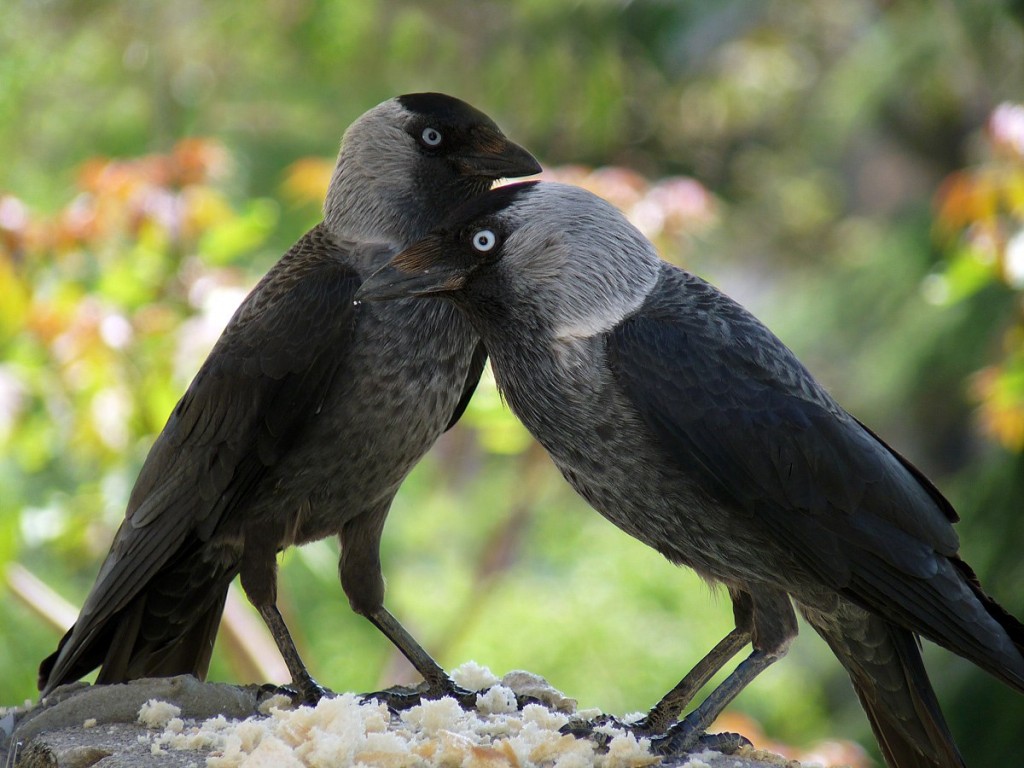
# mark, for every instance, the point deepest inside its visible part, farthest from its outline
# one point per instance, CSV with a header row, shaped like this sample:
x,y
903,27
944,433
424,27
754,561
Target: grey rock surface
x,y
79,726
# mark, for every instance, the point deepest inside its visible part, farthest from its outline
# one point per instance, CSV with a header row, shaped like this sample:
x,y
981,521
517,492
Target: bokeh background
x,y
852,171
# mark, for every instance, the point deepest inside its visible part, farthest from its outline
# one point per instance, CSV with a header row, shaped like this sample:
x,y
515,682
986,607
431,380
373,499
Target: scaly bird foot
x,y
399,698
600,730
302,692
679,740
683,738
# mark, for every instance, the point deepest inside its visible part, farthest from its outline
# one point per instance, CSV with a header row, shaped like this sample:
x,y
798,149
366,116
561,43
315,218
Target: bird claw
x,y
305,692
589,729
397,698
448,687
682,738
679,740
400,698
726,742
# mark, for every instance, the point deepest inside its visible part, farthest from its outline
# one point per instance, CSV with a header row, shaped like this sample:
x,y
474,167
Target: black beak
x,y
419,270
493,156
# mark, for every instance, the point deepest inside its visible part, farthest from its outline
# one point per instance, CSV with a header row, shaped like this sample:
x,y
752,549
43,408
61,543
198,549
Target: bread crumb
x,y
563,751
543,717
272,753
626,751
277,701
435,716
473,676
347,731
156,714
498,700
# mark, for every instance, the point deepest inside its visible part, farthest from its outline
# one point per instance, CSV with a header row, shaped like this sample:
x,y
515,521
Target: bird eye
x,y
431,136
484,240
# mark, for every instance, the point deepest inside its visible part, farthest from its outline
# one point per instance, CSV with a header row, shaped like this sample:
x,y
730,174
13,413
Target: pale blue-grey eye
x,y
484,240
431,136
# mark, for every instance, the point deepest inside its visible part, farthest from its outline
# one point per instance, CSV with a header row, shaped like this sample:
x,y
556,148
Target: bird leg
x,y
685,735
309,690
438,682
766,616
666,712
361,578
258,573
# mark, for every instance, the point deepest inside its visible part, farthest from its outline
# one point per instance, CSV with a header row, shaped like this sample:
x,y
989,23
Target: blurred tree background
x,y
852,171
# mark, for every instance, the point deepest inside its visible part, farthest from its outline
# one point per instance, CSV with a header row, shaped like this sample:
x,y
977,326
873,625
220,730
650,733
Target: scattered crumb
x,y
626,751
156,714
89,723
347,731
496,701
432,717
277,701
473,677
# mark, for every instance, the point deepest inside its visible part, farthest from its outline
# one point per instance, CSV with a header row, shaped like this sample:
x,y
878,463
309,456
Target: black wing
x,y
265,377
735,409
476,368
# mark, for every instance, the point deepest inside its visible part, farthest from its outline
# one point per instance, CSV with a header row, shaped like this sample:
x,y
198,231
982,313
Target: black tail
x,y
885,666
167,629
1010,624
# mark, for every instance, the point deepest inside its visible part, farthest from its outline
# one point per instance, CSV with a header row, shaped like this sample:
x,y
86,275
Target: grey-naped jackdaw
x,y
688,424
306,416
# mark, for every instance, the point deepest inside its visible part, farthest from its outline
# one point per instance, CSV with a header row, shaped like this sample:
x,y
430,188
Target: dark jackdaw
x,y
305,418
688,424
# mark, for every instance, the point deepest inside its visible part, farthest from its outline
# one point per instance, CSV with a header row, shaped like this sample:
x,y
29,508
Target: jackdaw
x,y
306,416
687,423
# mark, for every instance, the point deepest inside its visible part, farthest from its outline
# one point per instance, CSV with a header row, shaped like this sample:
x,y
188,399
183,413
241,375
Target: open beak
x,y
492,155
419,270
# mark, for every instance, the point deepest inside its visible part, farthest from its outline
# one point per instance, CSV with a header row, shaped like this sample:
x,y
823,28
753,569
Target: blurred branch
x,y
53,609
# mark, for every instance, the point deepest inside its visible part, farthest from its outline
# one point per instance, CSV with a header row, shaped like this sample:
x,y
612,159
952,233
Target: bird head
x,y
533,249
405,163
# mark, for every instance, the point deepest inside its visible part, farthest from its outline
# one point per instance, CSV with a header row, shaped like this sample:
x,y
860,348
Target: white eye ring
x,y
484,240
431,136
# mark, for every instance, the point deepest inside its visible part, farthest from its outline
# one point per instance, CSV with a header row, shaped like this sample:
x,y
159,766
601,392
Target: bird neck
x,y
361,207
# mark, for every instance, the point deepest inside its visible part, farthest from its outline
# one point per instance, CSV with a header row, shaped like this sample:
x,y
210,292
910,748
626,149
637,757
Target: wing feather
x,y
264,379
734,409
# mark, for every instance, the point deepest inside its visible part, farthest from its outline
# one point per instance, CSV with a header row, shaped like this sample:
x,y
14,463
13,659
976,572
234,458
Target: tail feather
x,y
1010,624
891,731
167,629
131,656
885,666
59,667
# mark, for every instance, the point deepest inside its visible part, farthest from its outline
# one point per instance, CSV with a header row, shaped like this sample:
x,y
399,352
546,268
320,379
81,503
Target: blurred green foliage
x,y
865,162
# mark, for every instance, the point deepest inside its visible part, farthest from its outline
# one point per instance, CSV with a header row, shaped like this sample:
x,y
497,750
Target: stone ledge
x,y
80,726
